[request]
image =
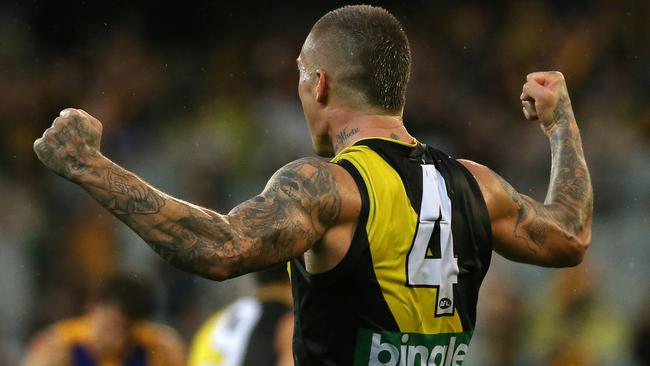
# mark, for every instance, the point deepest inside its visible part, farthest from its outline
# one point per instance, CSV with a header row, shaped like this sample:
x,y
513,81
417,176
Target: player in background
x,y
112,332
251,331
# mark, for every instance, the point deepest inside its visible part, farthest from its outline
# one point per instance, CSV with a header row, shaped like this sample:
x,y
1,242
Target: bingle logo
x,y
410,353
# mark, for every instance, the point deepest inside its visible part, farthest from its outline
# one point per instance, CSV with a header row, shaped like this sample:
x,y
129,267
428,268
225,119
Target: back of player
x,y
406,291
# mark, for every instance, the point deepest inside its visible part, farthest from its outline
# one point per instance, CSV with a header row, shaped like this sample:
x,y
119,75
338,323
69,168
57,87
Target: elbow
x,y
211,271
577,255
580,242
577,249
225,270
220,274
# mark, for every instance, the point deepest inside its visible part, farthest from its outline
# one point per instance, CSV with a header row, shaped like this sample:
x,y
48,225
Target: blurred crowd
x,y
200,100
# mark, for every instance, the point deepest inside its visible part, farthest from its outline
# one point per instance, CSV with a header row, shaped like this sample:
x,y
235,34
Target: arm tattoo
x,y
194,243
569,201
532,220
570,184
298,204
142,199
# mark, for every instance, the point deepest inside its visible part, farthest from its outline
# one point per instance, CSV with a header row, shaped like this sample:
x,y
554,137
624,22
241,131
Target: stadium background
x,y
199,98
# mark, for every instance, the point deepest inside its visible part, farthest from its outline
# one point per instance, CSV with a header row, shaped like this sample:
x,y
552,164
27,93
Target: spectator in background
x,y
112,332
252,331
571,324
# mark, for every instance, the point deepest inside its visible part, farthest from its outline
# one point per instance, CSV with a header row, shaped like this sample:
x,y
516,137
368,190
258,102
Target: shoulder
x,y
478,170
51,346
71,330
153,334
484,176
320,184
61,334
312,170
497,193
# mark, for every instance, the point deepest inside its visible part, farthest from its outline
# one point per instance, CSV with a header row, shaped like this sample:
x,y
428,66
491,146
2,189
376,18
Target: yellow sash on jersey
x,y
390,229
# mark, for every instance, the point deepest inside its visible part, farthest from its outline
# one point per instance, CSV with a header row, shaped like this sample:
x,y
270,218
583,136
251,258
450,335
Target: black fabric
x,y
470,220
261,343
331,306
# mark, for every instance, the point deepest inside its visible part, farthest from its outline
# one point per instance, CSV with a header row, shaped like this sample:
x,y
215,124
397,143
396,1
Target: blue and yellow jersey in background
x,y
146,348
406,291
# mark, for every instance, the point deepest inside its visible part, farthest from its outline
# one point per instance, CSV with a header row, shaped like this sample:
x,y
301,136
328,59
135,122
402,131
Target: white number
x,y
424,270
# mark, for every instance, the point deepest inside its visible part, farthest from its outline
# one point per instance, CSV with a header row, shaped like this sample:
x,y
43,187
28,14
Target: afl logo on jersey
x,y
444,303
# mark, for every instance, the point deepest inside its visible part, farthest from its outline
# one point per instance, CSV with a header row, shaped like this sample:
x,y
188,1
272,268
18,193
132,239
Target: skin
x,y
556,232
284,341
310,207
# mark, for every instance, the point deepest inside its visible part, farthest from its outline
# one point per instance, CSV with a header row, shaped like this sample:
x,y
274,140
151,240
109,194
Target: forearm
x,y
189,237
570,195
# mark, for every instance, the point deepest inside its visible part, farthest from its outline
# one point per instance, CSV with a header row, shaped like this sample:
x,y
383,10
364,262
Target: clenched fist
x,y
67,147
545,98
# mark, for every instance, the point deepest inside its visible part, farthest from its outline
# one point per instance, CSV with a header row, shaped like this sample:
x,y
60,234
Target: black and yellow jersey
x,y
241,334
406,291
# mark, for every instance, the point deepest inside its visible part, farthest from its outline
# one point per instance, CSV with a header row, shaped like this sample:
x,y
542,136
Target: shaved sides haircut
x,y
370,51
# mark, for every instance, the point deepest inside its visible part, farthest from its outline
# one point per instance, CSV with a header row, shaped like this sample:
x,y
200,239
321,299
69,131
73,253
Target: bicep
x,y
300,202
529,233
523,229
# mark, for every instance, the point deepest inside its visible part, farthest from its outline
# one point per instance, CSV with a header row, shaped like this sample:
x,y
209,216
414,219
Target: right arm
x,y
557,232
300,202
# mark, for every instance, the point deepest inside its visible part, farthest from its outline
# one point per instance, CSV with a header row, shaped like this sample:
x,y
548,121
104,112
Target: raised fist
x,y
67,147
545,98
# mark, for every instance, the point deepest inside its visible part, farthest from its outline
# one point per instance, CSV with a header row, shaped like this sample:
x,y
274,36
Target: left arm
x,y
556,232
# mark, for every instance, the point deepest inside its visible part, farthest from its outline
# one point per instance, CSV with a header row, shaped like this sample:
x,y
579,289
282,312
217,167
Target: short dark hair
x,y
372,42
132,294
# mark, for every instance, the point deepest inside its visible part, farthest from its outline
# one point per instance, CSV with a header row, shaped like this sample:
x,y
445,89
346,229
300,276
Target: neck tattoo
x,y
343,136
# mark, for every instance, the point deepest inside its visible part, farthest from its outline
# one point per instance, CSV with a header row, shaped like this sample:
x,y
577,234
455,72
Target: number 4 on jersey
x,y
431,261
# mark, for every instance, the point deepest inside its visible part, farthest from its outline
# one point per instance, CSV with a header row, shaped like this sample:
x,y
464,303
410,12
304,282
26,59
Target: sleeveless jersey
x,y
242,334
406,291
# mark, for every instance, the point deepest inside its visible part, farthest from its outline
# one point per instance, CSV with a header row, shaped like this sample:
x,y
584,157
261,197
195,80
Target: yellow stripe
x,y
390,230
399,142
201,350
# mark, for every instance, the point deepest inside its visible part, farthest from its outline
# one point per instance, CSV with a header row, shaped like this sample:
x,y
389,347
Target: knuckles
x,y
72,126
546,74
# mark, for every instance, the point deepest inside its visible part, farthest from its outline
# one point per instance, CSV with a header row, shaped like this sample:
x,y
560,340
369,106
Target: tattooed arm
x,y
298,205
557,232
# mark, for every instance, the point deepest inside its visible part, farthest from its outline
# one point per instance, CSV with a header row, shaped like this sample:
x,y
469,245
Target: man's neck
x,y
360,127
